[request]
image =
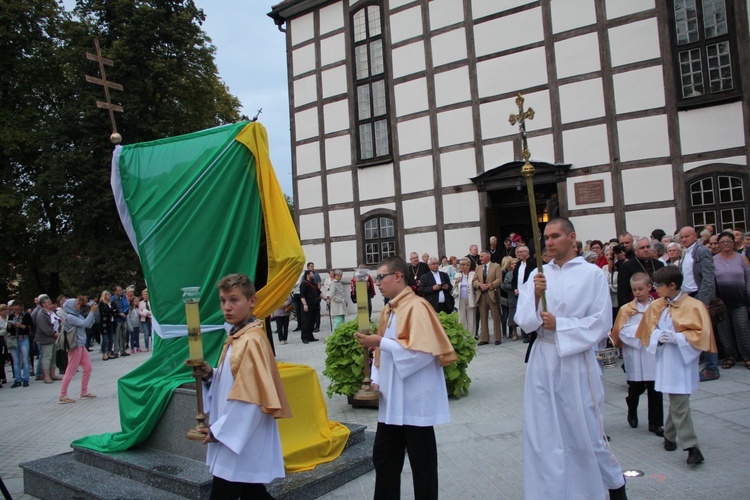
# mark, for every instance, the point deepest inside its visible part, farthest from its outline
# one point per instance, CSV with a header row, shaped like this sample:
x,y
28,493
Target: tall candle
x,y
194,331
363,314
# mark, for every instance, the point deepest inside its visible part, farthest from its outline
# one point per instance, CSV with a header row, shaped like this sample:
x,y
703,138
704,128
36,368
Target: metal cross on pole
x,y
527,171
106,84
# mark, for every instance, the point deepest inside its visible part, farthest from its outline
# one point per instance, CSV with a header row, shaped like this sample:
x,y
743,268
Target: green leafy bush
x,y
344,359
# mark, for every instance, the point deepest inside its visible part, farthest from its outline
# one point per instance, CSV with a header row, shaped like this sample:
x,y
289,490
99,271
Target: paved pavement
x,y
479,451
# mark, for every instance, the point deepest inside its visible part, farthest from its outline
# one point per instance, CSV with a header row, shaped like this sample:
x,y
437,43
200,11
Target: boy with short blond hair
x,y
244,397
639,363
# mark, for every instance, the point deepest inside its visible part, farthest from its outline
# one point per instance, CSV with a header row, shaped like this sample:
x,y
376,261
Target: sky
x,y
251,58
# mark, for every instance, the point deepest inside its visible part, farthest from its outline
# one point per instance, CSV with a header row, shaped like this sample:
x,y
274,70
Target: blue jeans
x,y
146,328
20,357
107,338
135,333
711,362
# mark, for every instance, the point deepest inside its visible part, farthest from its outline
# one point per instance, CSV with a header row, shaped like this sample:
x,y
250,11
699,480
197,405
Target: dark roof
x,y
283,11
507,175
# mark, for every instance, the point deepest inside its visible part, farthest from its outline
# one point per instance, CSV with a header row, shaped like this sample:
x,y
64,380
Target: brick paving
x,y
479,451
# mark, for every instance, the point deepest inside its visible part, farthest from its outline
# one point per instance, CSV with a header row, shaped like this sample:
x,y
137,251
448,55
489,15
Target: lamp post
x,y
361,277
191,297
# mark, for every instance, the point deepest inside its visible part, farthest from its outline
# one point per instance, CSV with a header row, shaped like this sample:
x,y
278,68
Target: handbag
x,y
11,341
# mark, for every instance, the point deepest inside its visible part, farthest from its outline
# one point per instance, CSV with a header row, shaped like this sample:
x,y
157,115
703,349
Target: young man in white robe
x,y
639,363
243,397
676,329
411,349
565,450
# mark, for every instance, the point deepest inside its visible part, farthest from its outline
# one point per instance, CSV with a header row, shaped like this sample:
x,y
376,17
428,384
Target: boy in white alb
x,y
411,348
677,328
639,363
244,397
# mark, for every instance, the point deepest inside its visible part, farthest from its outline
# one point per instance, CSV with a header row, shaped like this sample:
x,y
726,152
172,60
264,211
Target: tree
x,y
57,214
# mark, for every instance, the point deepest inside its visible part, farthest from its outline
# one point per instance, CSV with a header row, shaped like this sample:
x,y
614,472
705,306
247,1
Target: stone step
x,y
62,477
182,476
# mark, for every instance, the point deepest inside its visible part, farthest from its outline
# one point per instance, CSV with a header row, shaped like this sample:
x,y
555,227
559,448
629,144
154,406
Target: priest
x,y
411,349
565,448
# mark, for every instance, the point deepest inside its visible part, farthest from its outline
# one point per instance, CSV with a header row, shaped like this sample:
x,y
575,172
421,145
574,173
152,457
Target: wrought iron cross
x,y
521,118
107,104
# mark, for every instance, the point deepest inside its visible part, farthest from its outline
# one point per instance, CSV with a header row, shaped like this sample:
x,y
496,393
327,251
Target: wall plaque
x,y
589,192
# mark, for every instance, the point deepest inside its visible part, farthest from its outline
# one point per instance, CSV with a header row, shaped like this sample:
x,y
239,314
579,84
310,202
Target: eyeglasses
x,y
380,277
657,285
726,242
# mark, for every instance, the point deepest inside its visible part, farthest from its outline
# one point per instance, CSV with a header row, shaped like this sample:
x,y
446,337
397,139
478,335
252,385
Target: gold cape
x,y
256,376
690,318
418,327
623,315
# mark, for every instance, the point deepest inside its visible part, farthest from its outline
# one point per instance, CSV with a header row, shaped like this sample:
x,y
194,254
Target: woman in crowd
x,y
598,248
447,268
733,288
75,332
310,298
144,311
613,253
505,268
674,251
134,325
337,299
106,314
281,315
3,333
463,292
19,329
507,286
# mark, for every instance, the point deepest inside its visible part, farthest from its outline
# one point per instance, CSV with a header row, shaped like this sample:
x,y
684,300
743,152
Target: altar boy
x,y
244,397
677,328
639,363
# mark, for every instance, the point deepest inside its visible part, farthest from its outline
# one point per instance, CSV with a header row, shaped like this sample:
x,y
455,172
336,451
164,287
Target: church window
x,y
719,200
373,144
705,51
380,239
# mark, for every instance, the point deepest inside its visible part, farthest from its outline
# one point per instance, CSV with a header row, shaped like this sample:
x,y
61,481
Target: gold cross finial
x,y
521,118
107,104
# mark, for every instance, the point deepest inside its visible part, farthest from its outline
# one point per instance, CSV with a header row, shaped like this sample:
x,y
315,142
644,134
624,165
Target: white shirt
x,y
249,445
521,272
688,276
676,364
412,384
639,363
438,281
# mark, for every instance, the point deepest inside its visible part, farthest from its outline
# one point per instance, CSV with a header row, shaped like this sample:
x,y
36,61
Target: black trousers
x,y
308,320
444,307
655,400
282,326
391,441
221,489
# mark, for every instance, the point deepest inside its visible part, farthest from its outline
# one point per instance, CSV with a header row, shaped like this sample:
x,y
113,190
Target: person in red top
x,y
370,290
598,248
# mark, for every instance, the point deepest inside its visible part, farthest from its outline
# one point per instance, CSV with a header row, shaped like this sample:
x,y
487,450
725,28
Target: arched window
x,y
371,108
719,200
380,239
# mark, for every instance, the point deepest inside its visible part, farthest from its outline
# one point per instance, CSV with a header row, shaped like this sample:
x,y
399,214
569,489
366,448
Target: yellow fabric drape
x,y
308,438
285,255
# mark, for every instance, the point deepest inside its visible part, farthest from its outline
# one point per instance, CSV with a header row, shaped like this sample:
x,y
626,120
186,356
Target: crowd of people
x,y
56,336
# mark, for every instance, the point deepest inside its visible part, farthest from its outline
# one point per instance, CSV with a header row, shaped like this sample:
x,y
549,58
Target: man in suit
x,y
436,288
487,279
525,265
699,281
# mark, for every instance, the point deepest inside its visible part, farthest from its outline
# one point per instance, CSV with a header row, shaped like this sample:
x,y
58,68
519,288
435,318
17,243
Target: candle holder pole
x,y
191,297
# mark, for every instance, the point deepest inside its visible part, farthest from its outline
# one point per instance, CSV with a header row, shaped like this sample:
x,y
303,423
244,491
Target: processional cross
x,y
527,171
107,104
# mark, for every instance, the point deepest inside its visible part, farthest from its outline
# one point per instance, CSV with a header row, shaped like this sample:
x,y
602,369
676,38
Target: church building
x,y
401,139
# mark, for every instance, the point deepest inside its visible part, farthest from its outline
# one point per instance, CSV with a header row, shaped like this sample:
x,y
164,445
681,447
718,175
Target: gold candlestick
x,y
191,297
367,393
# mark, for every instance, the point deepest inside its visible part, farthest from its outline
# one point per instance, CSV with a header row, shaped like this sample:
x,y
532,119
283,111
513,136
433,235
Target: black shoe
x,y
25,384
89,349
633,421
314,340
694,456
15,384
297,330
124,353
670,445
526,340
632,413
316,330
305,341
656,429
498,342
618,494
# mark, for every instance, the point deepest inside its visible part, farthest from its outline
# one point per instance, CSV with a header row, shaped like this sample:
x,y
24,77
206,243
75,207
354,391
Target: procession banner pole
x,y
527,171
